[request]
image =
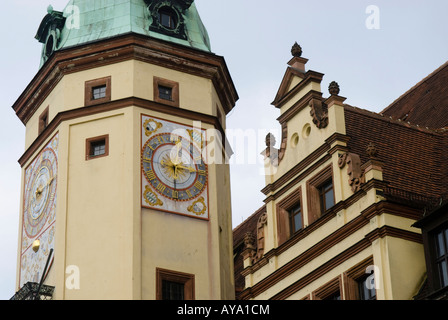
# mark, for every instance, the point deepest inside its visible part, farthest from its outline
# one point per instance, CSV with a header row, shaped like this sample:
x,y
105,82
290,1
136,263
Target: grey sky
x,y
372,66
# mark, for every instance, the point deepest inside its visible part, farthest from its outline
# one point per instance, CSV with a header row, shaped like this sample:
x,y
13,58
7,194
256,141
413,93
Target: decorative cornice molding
x,y
123,48
119,104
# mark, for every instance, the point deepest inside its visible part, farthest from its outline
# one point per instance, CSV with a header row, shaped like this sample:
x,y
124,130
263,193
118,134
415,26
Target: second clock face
x,y
39,212
175,175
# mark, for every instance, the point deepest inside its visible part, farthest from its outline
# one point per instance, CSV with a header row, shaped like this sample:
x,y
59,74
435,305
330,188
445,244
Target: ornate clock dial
x,y
40,193
174,173
174,168
39,212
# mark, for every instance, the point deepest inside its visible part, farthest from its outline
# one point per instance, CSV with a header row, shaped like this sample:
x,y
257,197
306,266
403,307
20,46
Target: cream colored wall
x,y
99,224
128,78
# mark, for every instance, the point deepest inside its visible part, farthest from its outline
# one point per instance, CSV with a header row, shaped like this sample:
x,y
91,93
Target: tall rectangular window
x,y
320,190
366,287
295,218
289,216
326,195
441,239
43,120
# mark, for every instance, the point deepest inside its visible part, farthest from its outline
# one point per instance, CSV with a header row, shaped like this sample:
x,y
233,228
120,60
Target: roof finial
x,y
296,50
334,88
50,9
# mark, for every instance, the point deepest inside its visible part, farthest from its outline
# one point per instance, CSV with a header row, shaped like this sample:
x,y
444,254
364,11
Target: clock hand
x,y
191,169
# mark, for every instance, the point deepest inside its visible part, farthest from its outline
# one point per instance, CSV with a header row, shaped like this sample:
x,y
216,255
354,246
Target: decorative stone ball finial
x,y
270,140
296,50
50,9
334,88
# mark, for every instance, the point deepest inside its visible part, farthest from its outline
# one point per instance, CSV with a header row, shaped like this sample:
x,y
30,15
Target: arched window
x,y
168,18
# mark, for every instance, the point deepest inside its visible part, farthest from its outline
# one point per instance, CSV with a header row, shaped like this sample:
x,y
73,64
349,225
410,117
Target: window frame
x,y
353,276
329,289
173,85
437,259
187,280
314,201
283,209
90,85
90,147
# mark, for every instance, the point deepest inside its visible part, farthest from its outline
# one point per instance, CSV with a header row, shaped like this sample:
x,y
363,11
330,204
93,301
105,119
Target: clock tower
x,y
125,193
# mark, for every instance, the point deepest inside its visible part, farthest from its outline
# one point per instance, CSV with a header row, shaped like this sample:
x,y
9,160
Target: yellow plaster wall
x,y
98,217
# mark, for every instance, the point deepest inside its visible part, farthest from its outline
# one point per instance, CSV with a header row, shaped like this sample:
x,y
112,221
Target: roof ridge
x,y
432,74
406,124
258,211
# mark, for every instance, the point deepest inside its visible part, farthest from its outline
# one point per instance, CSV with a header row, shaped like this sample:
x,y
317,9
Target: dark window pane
x,y
167,18
334,296
98,148
295,219
165,93
172,290
443,271
440,245
99,92
367,288
329,199
326,196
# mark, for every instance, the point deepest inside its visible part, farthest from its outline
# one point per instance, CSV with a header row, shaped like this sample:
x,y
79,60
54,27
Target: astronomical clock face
x,y
39,210
174,172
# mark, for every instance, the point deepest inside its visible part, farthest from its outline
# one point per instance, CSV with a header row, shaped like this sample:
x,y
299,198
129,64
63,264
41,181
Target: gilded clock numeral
x,y
198,185
161,187
189,193
175,194
150,174
160,139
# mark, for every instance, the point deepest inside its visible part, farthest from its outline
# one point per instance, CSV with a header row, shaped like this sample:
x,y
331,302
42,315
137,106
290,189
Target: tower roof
x,y
86,21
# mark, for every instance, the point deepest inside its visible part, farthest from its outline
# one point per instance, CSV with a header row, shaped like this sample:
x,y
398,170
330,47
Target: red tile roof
x,y
426,103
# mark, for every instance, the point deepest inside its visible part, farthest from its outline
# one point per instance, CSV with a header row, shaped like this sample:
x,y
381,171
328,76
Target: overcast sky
x,y
373,63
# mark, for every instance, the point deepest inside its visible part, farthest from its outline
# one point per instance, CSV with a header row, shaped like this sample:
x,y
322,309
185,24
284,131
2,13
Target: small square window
x,y
97,147
166,92
98,91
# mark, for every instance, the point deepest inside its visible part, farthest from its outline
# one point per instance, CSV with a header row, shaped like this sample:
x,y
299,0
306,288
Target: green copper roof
x,y
84,21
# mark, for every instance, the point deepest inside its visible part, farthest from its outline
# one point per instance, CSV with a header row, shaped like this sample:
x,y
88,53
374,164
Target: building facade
x,y
119,200
347,194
